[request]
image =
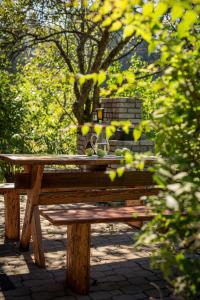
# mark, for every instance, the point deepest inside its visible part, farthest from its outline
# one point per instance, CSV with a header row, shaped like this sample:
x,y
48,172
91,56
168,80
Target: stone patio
x,y
118,271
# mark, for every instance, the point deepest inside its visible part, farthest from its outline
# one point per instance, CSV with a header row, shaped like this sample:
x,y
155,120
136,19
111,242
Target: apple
x,y
89,151
101,153
118,152
124,150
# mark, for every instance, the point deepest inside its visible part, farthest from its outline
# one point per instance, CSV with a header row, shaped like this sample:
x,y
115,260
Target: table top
x,y
63,159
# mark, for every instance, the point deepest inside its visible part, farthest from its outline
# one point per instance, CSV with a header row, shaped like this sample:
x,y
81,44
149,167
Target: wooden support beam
x,y
78,257
12,215
95,195
37,238
79,180
32,200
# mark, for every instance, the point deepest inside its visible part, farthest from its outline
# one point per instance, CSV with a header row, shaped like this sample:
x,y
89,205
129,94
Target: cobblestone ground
x,y
118,271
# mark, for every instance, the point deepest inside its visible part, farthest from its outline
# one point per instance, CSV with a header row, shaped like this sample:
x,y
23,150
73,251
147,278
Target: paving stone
x,y
100,295
118,272
123,297
32,283
19,292
19,298
132,290
80,297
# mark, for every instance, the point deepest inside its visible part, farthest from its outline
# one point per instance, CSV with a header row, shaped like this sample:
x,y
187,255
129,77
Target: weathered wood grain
x,y
37,238
12,215
72,181
95,195
32,200
78,257
97,215
62,159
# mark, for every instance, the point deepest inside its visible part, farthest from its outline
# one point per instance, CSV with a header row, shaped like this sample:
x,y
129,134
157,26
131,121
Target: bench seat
x,y
78,221
97,215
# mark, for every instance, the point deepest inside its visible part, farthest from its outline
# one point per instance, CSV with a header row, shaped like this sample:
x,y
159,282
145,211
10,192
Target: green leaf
x,y
109,131
128,157
120,171
128,31
140,165
98,129
177,12
137,132
126,129
101,77
112,175
116,26
160,9
107,22
147,9
85,129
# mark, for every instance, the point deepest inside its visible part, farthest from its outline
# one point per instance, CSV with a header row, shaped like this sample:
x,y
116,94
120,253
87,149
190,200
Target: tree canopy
x,y
81,40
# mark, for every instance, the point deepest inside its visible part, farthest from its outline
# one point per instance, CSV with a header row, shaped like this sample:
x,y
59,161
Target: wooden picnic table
x,y
59,188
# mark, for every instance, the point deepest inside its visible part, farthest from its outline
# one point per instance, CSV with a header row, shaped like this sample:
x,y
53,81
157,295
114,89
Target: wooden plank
x,y
32,200
12,215
37,238
78,257
62,159
71,181
97,215
95,195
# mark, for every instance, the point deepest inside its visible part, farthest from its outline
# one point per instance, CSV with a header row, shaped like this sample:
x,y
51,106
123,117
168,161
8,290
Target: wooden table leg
x,y
78,257
37,238
12,215
32,200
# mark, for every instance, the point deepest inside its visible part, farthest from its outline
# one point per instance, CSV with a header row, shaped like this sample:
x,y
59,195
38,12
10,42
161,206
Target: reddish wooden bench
x,y
86,189
78,223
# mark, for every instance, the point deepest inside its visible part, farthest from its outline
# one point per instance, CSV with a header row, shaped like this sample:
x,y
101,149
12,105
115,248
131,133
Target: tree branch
x,y
128,52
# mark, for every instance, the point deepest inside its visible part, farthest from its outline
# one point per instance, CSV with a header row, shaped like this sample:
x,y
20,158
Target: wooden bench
x,y
91,187
12,211
78,187
78,223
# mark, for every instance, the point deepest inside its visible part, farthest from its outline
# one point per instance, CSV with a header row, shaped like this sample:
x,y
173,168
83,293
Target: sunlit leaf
x,y
120,171
98,129
101,77
128,31
85,129
137,132
112,175
116,26
147,9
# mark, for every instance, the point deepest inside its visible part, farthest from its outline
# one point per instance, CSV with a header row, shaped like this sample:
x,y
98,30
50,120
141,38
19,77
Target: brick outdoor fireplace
x,y
120,109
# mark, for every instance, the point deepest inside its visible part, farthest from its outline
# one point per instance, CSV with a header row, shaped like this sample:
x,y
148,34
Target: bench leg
x,y
12,215
37,238
78,257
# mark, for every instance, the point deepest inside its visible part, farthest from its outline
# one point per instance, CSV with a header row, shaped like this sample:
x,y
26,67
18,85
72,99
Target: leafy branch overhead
x,y
83,43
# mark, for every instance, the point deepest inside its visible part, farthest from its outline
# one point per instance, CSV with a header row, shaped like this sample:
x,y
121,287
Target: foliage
x,y
142,90
12,113
45,90
172,29
84,42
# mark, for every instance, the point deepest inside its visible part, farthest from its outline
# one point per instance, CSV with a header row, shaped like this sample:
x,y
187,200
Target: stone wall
x,y
120,109
126,109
